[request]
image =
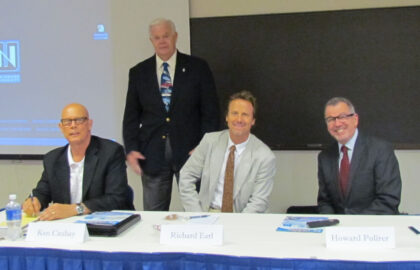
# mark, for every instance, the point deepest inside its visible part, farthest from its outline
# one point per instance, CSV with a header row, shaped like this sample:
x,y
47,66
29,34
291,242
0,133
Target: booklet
x,y
25,221
109,223
298,224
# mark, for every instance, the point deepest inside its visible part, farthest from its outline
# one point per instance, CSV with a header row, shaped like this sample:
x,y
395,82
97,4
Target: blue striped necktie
x,y
166,86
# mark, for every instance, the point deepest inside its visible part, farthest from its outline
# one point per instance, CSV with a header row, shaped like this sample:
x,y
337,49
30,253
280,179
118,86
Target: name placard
x,y
360,237
192,234
54,232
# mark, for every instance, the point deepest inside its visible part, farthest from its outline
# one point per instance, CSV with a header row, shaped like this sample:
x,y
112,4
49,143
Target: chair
x,y
309,209
130,198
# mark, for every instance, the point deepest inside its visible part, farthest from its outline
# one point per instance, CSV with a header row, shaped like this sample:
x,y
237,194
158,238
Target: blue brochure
x,y
105,218
298,224
109,223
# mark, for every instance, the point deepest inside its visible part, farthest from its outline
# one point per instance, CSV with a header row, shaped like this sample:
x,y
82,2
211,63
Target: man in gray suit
x,y
253,171
373,182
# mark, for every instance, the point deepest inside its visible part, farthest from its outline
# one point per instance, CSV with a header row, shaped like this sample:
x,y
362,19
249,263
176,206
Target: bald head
x,y
75,108
76,125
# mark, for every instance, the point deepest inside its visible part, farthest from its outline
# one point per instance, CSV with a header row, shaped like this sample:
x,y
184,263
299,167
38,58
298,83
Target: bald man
x,y
86,175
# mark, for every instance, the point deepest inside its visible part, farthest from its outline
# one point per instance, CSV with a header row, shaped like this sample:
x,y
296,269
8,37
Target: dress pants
x,y
157,188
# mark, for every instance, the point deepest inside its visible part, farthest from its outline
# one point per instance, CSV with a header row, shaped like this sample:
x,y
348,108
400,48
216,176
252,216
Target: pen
x,y
414,229
203,216
32,202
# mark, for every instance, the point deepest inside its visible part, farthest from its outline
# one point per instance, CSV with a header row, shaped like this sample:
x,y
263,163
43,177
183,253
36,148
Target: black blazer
x,y
194,110
374,181
105,185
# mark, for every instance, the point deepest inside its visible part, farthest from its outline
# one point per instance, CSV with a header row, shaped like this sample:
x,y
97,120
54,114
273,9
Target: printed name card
x,y
192,234
54,232
360,237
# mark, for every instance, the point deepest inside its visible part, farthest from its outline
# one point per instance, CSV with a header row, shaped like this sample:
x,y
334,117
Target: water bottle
x,y
13,218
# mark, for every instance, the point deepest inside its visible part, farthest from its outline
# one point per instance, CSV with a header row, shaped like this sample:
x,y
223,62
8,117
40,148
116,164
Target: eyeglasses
x,y
77,121
332,119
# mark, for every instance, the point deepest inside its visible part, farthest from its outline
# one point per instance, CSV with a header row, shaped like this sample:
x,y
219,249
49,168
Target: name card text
x,y
192,234
54,232
360,237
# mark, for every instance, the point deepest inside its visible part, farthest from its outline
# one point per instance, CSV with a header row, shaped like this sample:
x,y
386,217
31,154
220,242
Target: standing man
x,y
359,174
171,102
89,174
235,168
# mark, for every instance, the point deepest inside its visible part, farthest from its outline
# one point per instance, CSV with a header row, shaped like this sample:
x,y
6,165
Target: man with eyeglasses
x,y
86,175
359,174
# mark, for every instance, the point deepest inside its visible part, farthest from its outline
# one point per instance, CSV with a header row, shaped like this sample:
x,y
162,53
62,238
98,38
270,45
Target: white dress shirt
x,y
350,148
76,178
216,203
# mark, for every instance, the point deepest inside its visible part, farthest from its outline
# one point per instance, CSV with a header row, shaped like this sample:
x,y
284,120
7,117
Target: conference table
x,y
250,242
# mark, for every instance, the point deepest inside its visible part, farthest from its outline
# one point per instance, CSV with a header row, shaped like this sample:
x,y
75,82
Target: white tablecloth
x,y
254,235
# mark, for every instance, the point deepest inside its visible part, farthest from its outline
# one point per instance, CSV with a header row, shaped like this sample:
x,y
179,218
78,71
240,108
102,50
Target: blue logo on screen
x,y
9,56
9,61
100,33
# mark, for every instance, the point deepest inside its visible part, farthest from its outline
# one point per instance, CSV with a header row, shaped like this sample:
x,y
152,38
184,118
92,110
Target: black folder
x,y
113,230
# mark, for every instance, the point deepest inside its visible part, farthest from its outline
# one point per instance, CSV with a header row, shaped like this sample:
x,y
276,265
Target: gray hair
x,y
335,100
162,21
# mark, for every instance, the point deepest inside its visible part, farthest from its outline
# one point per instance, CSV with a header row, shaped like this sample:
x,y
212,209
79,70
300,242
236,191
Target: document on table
x,y
25,221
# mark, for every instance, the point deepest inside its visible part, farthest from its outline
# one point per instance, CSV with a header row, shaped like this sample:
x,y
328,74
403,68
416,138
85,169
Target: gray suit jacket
x,y
252,183
374,183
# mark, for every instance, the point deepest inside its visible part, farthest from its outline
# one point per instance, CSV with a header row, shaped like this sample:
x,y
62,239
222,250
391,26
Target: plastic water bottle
x,y
13,218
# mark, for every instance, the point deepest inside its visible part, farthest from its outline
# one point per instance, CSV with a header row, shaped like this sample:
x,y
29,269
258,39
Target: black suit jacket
x,y
105,185
194,110
374,183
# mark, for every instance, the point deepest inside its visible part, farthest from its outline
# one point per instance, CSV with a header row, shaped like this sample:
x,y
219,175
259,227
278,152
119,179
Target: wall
x,y
215,8
296,181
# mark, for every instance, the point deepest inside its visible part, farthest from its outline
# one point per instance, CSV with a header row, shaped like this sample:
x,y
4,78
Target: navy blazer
x,y
374,185
194,110
105,185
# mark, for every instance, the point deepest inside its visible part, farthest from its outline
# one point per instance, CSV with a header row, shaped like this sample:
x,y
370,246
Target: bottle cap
x,y
12,197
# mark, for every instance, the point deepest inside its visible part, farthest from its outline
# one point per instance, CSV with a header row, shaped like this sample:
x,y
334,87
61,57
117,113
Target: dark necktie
x,y
166,86
227,202
344,170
